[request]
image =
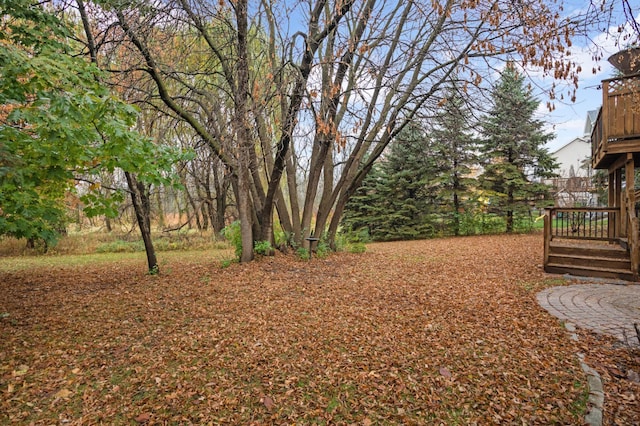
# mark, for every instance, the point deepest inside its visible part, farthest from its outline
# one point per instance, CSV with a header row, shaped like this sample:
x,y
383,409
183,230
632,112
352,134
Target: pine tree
x,y
512,149
396,200
366,208
455,148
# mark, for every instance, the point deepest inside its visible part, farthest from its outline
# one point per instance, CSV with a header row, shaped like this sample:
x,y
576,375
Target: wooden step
x,y
600,260
586,259
589,271
599,250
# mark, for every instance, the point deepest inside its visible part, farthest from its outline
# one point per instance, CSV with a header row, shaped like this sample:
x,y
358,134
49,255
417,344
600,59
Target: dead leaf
x,y
385,325
143,418
444,371
268,402
63,393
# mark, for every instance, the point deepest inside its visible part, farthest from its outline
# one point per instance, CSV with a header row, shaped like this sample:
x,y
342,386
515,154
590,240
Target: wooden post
x,y
629,169
611,202
618,202
547,235
632,229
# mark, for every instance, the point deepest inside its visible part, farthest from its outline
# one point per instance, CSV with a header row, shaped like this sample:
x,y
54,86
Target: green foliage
x,y
95,204
58,123
281,238
513,153
345,239
227,262
357,248
454,149
303,253
396,200
232,234
353,242
263,248
322,249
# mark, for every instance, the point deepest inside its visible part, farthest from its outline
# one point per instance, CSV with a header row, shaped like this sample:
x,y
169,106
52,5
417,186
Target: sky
x,y
568,119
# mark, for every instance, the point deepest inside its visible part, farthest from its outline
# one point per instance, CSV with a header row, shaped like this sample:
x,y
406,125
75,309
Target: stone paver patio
x,y
602,307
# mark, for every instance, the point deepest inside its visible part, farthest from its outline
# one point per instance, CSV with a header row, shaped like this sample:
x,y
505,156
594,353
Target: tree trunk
x,y
456,214
142,207
243,136
221,201
510,211
159,204
194,208
456,201
292,187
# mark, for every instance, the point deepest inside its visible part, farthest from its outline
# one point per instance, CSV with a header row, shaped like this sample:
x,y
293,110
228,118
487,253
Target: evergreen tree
x,y
456,152
512,149
366,208
396,200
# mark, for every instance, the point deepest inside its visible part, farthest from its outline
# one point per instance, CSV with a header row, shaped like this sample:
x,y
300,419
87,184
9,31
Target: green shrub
x,y
303,253
323,249
345,239
233,234
357,248
226,263
282,238
263,247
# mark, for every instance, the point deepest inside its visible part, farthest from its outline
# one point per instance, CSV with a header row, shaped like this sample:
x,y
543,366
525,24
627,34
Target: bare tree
x,y
271,87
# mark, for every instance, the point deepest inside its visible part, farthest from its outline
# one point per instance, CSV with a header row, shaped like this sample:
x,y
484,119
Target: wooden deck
x,y
589,242
617,129
574,238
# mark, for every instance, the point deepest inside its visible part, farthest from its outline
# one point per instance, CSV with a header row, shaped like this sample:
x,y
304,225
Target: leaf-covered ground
x,y
428,332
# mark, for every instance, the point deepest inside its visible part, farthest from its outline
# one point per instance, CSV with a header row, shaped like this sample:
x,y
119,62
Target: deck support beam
x,y
615,195
633,233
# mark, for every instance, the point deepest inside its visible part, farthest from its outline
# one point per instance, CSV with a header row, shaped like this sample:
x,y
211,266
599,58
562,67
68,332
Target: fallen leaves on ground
x,y
426,332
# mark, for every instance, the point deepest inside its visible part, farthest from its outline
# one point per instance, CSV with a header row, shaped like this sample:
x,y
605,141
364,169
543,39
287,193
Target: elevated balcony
x,y
617,129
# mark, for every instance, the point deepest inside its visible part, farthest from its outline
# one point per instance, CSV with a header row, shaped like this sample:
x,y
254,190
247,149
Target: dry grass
x,y
88,242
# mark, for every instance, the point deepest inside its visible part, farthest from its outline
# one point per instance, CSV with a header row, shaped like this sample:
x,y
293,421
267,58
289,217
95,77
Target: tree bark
x,y
243,138
142,207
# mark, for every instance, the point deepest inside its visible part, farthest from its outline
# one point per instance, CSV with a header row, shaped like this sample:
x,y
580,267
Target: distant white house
x,y
573,187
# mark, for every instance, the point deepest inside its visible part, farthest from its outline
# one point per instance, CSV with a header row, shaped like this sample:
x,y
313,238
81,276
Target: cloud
x,y
568,120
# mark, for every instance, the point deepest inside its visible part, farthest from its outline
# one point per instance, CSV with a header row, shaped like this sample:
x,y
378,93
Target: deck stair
x,y
592,260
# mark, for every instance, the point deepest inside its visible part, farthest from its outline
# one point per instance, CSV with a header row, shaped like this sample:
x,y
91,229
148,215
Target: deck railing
x,y
619,118
598,142
583,223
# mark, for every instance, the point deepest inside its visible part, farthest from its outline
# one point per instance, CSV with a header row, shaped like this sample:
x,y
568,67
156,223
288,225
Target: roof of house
x,y
592,116
582,139
589,122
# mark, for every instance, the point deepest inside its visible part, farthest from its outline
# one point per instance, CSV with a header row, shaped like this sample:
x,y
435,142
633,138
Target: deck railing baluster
x,y
584,223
